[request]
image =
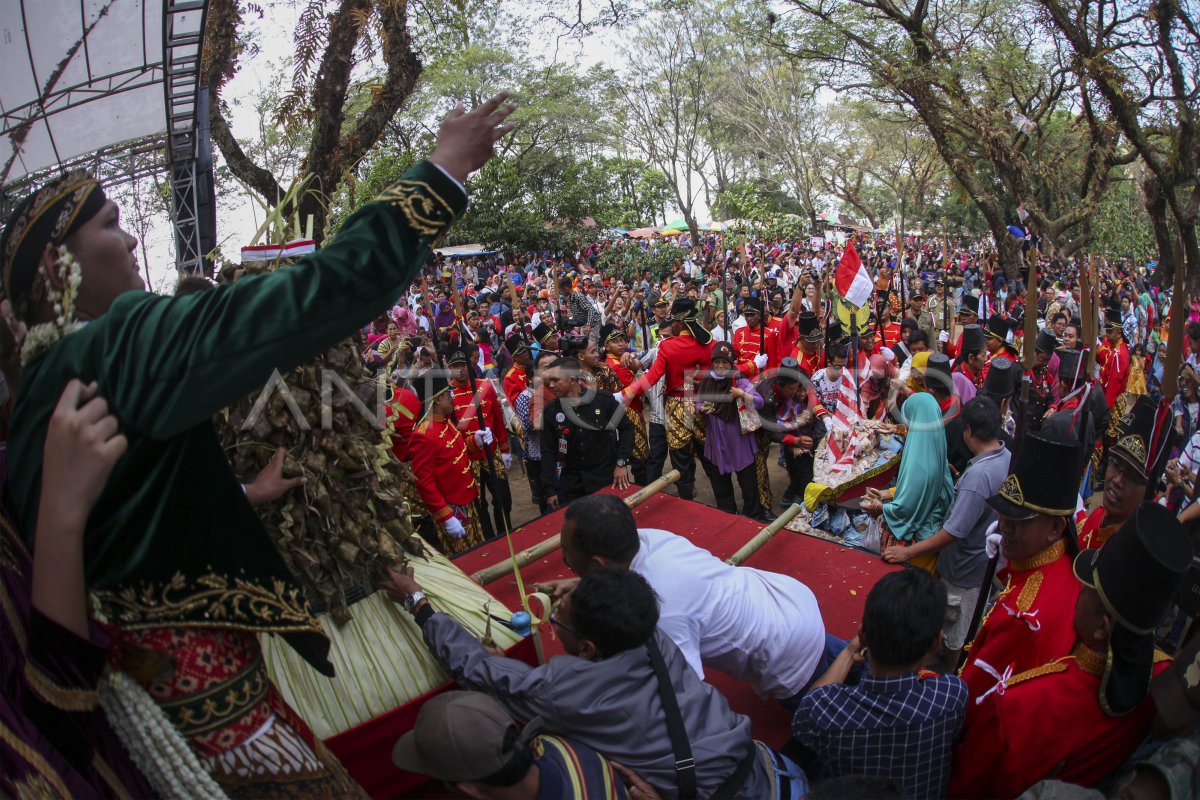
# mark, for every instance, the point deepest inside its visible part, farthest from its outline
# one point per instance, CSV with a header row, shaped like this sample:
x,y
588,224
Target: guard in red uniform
x,y
889,329
1030,624
972,362
997,340
517,378
968,314
404,410
1078,718
747,341
1113,357
493,474
616,346
441,463
1126,475
681,360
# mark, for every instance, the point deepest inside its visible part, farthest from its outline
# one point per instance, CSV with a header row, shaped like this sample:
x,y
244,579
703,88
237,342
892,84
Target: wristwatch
x,y
412,600
622,463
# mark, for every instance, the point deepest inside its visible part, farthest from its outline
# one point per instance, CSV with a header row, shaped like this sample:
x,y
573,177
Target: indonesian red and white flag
x,y
853,282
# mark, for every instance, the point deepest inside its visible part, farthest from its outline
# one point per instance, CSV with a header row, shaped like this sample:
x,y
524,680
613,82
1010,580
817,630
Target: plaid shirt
x,y
901,728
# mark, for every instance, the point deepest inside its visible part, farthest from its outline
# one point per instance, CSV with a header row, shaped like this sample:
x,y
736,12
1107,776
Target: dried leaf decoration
x,y
349,521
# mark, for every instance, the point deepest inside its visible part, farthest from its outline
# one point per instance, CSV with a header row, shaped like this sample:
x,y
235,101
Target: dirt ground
x,y
525,510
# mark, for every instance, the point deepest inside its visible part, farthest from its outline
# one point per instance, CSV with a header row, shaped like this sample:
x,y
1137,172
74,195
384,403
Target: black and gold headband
x,y
46,217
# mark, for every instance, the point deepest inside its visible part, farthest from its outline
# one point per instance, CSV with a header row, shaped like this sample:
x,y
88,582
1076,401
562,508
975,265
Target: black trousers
x,y
722,486
495,521
800,473
684,460
658,452
533,469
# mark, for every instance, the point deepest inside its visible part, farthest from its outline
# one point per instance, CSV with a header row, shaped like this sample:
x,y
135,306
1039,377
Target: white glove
x,y
760,360
944,337
619,397
828,424
484,437
887,353
455,528
992,545
507,459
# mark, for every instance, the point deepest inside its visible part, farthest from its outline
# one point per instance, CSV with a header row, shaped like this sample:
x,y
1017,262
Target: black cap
x,y
609,331
1046,342
1136,575
937,371
516,344
1037,482
1070,367
1112,317
1135,437
809,326
542,332
998,383
683,308
723,350
997,328
969,305
458,356
429,386
752,305
789,371
973,339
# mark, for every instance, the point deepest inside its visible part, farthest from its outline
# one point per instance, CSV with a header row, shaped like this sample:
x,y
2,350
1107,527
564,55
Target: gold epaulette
x,y
422,426
1160,656
1053,668
1029,592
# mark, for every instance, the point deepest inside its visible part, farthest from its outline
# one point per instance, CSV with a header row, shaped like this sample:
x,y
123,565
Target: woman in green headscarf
x,y
924,489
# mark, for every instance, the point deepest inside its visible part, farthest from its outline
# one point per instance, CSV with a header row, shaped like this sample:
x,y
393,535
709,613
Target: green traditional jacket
x,y
172,540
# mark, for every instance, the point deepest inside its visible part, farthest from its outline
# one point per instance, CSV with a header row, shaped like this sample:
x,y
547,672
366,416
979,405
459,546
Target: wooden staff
x,y
1087,303
762,537
1027,346
1170,386
529,555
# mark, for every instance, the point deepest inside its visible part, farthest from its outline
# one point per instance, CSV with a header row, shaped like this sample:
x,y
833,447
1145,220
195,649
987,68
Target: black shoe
x,y
787,500
766,518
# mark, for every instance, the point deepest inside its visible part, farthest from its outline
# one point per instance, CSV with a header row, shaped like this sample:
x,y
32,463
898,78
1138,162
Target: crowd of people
x,y
1037,640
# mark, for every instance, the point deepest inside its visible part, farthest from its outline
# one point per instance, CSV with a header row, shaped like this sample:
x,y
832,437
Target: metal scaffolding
x,y
112,86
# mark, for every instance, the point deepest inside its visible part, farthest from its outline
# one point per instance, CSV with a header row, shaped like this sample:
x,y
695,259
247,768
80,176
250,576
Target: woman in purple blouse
x,y
728,451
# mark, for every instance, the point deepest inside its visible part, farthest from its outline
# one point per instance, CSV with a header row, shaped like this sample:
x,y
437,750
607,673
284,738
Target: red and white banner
x,y
853,282
271,252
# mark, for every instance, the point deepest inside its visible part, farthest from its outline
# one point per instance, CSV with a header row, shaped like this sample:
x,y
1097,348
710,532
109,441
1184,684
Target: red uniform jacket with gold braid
x,y
625,376
678,357
1114,370
441,462
403,411
745,348
489,404
515,382
1032,623
809,363
1047,724
890,334
1094,533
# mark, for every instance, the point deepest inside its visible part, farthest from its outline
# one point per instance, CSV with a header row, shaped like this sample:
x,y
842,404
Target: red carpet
x,y
840,577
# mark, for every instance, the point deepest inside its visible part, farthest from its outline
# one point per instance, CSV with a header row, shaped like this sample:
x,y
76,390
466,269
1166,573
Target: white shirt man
x,y
761,627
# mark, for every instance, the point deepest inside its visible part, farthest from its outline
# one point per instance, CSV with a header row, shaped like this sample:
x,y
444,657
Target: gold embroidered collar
x,y
1089,660
1045,557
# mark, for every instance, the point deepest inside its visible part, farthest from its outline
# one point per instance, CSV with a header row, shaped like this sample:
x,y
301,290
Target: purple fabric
x,y
724,443
65,743
963,387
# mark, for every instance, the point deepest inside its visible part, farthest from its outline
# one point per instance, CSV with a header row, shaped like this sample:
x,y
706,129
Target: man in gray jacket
x,y
605,692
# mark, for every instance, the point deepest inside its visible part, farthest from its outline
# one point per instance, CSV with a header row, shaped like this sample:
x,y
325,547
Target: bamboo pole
x,y
530,554
762,537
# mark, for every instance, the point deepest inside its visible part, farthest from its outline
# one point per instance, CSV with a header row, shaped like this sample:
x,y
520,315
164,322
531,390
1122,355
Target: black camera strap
x,y
685,765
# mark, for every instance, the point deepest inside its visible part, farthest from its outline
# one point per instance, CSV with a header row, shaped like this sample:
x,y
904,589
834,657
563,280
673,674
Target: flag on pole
x,y
853,282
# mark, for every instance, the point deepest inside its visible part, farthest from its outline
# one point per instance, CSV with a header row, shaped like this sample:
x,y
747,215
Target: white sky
x,y
237,217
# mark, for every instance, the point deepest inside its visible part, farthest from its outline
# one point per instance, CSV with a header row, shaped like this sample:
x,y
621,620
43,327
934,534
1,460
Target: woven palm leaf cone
x,y
348,522
338,533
